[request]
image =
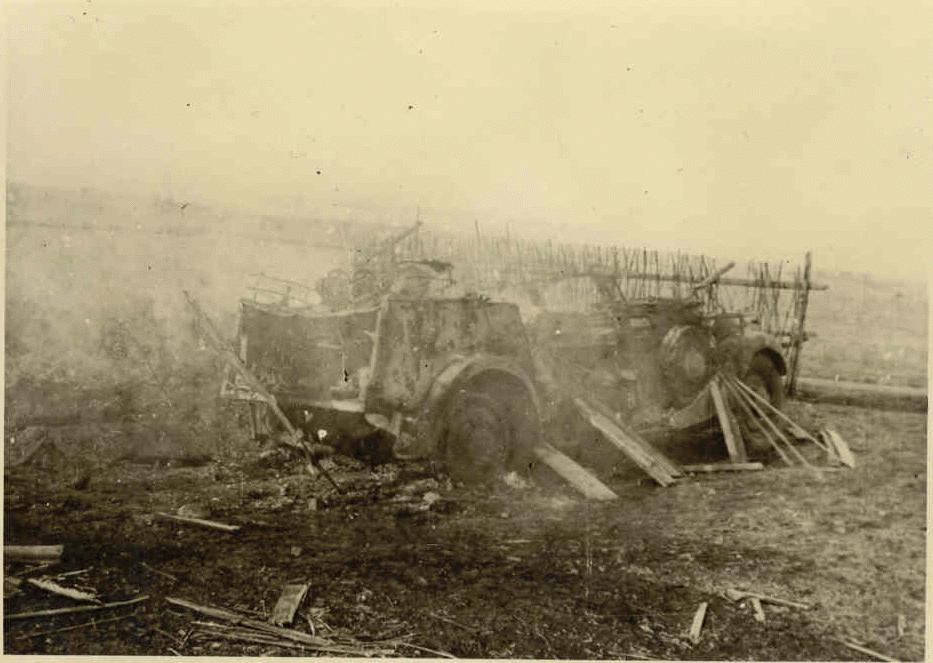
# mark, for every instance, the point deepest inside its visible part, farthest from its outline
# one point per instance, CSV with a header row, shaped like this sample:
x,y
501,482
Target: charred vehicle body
x,y
468,381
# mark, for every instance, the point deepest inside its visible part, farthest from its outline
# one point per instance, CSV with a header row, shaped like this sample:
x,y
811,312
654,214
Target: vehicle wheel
x,y
764,378
478,437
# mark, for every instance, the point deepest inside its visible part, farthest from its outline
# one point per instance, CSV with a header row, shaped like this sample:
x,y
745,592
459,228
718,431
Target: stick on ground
x,y
199,521
66,611
73,627
866,650
68,592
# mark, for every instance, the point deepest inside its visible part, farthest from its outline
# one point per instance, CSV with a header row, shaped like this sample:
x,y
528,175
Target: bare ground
x,y
516,572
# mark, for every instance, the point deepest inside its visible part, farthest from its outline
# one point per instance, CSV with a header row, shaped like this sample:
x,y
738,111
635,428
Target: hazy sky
x,y
716,126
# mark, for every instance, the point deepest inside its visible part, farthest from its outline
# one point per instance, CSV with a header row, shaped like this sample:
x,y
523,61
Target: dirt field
x,y
522,572
115,377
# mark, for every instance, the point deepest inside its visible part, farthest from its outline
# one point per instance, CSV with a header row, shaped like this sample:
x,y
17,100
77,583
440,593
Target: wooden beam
x,y
697,625
751,416
734,443
584,482
210,524
32,553
289,601
723,467
68,611
625,443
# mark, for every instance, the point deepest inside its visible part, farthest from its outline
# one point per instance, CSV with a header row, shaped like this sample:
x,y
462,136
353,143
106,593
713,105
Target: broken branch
x,y
73,627
199,521
66,611
866,650
68,592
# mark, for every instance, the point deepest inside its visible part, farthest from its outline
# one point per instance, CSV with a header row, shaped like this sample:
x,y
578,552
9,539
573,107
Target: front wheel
x,y
477,440
765,379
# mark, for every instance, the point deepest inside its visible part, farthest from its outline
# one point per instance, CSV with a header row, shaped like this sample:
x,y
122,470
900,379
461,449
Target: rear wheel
x,y
765,379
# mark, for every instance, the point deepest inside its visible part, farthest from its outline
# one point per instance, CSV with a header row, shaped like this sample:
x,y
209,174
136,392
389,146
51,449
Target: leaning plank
x,y
285,608
697,626
723,467
792,426
734,444
645,447
738,398
68,592
840,447
573,473
622,441
81,608
199,521
32,553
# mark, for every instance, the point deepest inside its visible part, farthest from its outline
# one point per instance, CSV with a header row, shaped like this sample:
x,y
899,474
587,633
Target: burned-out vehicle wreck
x,y
482,385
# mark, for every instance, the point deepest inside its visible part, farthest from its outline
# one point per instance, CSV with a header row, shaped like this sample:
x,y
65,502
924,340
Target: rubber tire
x,y
478,435
762,374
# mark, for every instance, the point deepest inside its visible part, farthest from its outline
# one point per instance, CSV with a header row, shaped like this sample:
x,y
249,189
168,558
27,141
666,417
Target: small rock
x,y
431,498
296,551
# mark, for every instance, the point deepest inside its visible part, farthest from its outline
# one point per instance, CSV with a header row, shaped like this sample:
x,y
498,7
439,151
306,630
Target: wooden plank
x,y
734,444
199,522
283,614
68,592
697,626
758,611
723,467
841,448
32,553
624,443
588,485
646,447
737,395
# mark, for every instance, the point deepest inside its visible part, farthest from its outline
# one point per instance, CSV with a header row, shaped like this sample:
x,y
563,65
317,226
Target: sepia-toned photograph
x,y
485,330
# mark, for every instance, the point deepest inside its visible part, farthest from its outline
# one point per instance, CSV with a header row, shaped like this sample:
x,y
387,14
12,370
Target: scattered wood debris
x,y
697,626
33,553
54,588
198,521
901,625
757,610
740,595
289,601
246,629
82,608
